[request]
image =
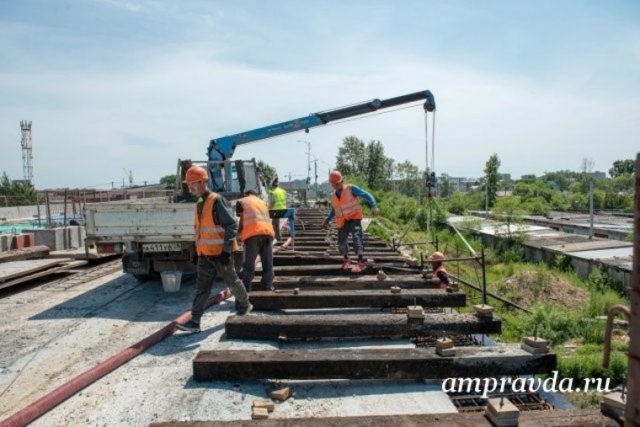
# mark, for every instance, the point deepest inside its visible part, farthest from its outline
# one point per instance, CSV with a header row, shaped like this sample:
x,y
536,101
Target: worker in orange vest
x,y
436,259
257,234
216,231
348,213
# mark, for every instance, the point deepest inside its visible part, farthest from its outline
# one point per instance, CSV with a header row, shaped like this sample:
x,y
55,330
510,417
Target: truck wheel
x,y
146,277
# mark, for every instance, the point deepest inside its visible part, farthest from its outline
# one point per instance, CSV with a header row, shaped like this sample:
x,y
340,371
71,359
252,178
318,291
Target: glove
x,y
375,211
224,258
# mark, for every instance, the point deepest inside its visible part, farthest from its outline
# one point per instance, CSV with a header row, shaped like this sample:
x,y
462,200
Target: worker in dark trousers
x,y
216,231
256,232
348,213
277,202
436,259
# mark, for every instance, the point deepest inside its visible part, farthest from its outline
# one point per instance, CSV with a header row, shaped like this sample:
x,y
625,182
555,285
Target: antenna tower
x,y
27,153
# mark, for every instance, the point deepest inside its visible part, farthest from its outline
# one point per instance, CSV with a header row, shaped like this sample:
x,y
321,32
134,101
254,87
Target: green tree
x,y
169,181
622,168
267,171
492,178
20,194
379,167
457,203
408,176
445,185
352,156
509,209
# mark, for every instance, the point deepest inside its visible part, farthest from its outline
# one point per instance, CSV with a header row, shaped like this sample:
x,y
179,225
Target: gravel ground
x,y
51,334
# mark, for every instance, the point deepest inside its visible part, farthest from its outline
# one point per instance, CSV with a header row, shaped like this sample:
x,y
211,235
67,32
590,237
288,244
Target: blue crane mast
x,y
221,149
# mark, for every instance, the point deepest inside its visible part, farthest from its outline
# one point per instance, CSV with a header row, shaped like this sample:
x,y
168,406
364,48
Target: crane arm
x,y
224,147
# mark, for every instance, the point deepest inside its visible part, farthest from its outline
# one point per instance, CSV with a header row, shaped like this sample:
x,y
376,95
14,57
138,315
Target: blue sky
x,y
135,85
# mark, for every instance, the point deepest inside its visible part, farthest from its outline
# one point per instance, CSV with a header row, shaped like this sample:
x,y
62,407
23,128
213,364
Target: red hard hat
x,y
436,256
335,177
195,174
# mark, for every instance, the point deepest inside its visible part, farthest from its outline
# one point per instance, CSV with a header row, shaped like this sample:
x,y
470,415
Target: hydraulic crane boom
x,y
223,148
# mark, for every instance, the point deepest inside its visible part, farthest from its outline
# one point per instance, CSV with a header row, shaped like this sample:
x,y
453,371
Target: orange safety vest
x,y
346,207
209,235
255,218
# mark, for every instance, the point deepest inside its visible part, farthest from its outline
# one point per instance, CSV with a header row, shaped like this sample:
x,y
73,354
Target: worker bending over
x,y
257,234
436,259
216,231
348,213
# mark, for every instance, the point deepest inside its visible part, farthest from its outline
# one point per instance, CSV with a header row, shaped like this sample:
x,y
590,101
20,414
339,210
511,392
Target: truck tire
x,y
153,275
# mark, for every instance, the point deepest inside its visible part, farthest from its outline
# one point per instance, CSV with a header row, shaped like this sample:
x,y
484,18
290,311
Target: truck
x,y
158,235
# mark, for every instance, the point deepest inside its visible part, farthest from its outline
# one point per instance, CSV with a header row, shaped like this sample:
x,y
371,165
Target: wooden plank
x,y
33,252
12,269
396,363
331,252
269,300
556,418
60,269
280,260
321,247
309,270
351,282
378,325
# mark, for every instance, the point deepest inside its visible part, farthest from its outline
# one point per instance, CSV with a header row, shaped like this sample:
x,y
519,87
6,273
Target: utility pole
x,y
308,162
315,168
590,208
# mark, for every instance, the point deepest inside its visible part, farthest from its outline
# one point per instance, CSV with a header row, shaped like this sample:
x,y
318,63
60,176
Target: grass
x,y
561,325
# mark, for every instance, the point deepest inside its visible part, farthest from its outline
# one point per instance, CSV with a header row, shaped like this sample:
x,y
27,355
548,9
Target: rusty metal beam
x,y
396,363
269,300
377,325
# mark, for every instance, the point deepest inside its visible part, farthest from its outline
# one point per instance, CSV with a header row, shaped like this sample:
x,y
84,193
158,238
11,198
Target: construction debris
x,y
281,394
502,413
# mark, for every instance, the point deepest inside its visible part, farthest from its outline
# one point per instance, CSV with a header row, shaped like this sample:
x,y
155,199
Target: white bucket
x,y
171,280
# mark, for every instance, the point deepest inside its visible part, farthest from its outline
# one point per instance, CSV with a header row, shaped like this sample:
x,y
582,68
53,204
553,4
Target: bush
x,y
563,262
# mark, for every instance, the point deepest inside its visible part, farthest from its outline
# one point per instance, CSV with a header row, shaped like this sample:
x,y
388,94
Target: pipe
x,y
49,401
607,333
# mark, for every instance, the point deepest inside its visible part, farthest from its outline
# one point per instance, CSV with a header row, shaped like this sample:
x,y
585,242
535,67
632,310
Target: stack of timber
x,y
315,299
23,265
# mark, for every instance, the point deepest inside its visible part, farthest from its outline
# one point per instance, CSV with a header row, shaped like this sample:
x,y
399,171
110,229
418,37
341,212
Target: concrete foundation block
x,y
53,238
21,241
5,242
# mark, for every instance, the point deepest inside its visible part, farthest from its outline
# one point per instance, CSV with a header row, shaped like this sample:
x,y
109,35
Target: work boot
x,y
190,326
268,288
346,264
243,311
360,266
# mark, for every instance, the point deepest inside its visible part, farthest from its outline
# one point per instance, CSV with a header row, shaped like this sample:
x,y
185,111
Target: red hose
x,y
68,389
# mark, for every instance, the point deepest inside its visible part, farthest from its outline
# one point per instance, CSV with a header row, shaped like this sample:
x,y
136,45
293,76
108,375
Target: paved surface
x,y
54,332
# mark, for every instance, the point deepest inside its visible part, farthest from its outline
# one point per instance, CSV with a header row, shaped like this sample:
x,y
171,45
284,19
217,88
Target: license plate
x,y
161,247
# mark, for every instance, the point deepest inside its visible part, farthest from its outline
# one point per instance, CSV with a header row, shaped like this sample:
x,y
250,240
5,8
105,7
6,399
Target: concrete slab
x,y
590,245
50,335
623,252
